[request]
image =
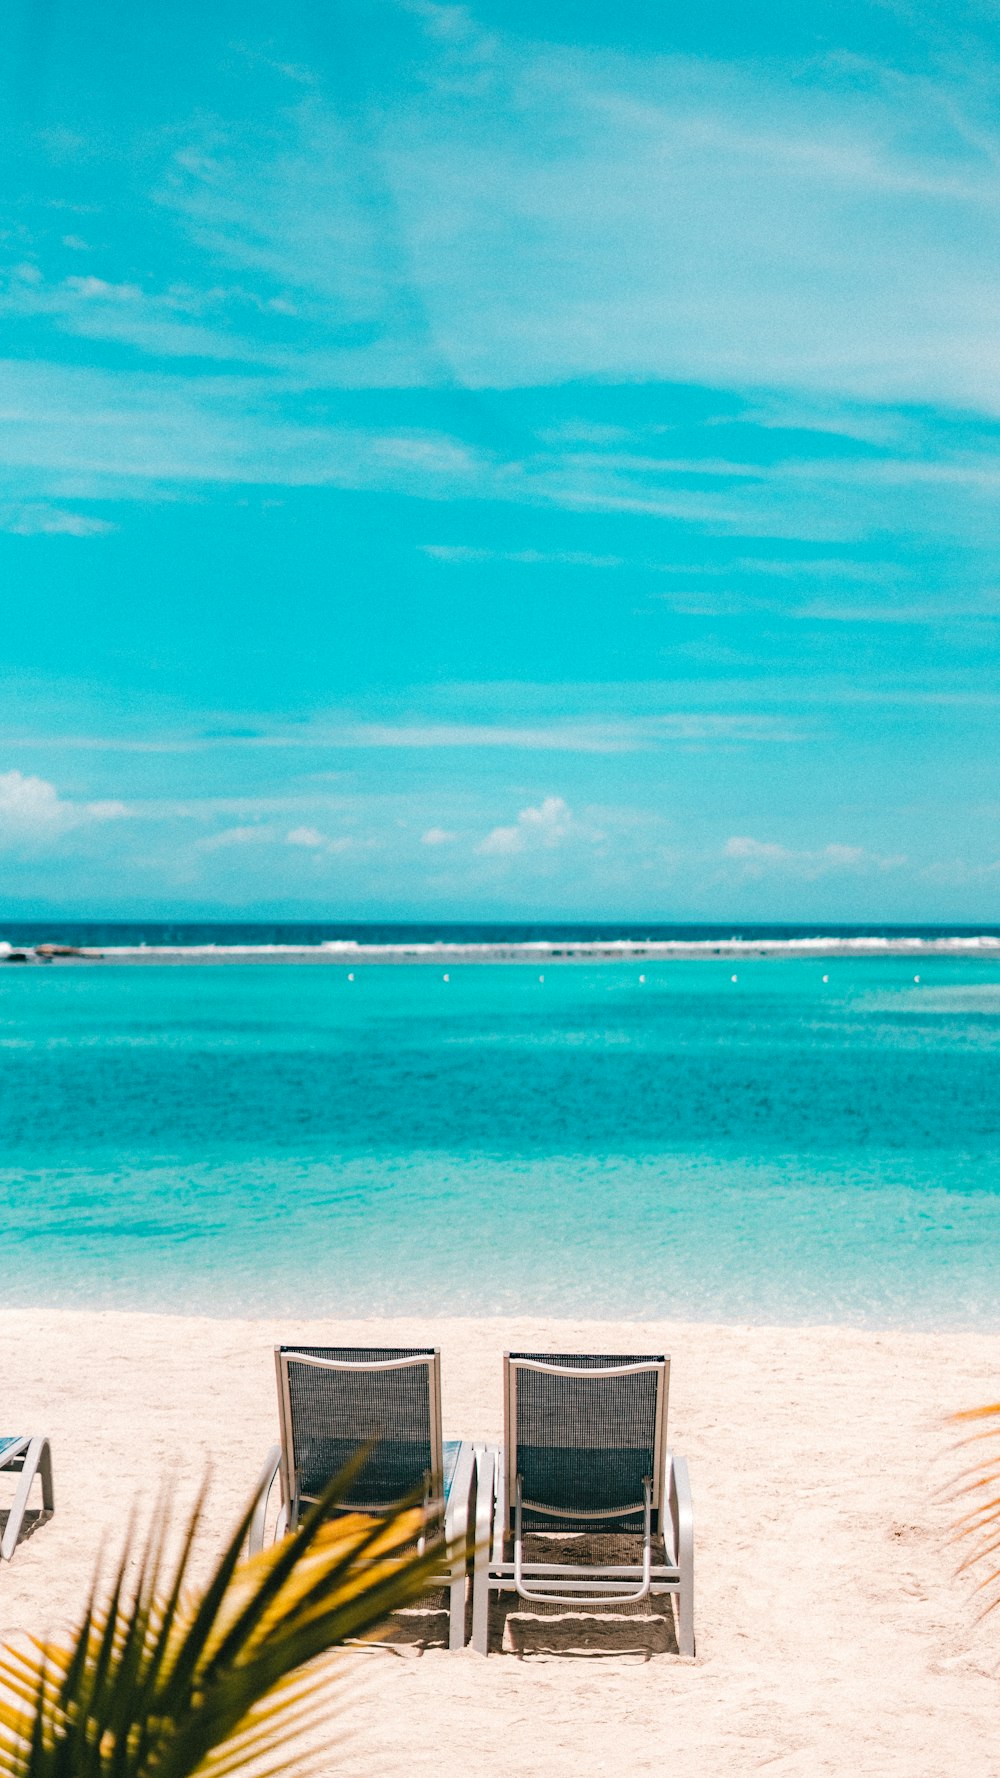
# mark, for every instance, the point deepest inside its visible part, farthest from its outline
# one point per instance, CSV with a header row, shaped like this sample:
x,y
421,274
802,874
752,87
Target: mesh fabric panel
x,y
333,1412
584,1444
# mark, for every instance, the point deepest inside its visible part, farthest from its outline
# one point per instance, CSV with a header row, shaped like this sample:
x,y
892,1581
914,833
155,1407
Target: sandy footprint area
x,y
833,1637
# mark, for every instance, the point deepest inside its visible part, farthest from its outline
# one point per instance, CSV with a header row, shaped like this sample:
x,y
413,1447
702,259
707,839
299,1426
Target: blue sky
x,y
500,461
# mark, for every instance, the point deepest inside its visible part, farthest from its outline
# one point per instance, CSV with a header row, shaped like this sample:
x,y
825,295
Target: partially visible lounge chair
x,y
585,1454
31,1457
332,1400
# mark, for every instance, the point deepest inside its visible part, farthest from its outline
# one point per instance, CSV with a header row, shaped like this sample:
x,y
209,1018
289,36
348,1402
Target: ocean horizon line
x,y
457,945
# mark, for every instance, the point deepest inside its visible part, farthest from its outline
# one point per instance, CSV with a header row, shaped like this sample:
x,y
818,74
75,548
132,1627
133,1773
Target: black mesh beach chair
x,y
332,1400
585,1454
26,1458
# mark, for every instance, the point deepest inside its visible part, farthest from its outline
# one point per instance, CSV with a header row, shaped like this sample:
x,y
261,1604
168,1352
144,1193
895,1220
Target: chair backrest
x,y
583,1431
333,1399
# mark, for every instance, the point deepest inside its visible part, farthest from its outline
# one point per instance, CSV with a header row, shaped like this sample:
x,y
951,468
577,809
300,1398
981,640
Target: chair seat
x,y
450,1452
5,1443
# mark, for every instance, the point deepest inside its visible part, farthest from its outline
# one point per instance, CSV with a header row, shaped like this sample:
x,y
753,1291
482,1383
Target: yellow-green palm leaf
x,y
167,1680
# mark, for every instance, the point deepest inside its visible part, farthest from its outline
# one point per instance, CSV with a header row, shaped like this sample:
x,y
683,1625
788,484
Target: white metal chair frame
x,y
501,1506
446,1515
31,1457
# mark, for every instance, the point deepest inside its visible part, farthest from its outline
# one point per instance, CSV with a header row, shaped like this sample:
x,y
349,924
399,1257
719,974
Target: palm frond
x,y
976,1489
168,1680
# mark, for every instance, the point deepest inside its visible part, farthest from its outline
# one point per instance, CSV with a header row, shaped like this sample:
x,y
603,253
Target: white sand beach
x,y
833,1637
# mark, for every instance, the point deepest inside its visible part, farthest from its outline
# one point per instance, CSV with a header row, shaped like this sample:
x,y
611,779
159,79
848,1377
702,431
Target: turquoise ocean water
x,y
271,1138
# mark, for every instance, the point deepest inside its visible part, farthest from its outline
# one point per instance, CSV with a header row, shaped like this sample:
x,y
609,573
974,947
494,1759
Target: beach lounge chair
x,y
333,1400
585,1454
30,1457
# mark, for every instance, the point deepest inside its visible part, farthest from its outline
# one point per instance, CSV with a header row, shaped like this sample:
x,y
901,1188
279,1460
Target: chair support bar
x,y
265,1482
566,1512
611,1592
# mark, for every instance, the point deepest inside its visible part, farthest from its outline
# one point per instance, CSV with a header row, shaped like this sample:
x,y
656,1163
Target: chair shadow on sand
x,y
619,1628
33,1519
637,1631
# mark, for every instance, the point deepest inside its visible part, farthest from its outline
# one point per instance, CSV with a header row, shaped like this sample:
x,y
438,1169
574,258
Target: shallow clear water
x,y
276,1138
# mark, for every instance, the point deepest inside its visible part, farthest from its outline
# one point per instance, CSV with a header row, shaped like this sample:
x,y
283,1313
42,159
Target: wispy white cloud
x,y
667,216
939,614
349,842
32,812
263,815
304,838
98,289
837,569
132,431
558,737
175,322
584,735
72,433
591,213
545,826
311,840
533,558
758,858
37,519
935,615
227,837
310,837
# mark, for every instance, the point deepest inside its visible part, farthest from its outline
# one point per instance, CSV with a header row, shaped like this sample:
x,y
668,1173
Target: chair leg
x,y
685,1615
45,1476
486,1472
37,1461
457,1537
683,1517
456,1611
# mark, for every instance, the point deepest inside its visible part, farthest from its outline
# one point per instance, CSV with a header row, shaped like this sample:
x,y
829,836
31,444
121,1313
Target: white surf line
x,y
350,952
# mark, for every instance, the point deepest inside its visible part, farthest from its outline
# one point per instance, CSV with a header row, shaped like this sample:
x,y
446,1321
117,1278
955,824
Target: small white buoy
x,y
826,978
350,978
446,978
642,978
916,978
541,978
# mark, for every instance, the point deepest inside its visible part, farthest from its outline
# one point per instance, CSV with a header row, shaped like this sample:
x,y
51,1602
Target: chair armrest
x,y
681,1510
459,1502
265,1482
16,1449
